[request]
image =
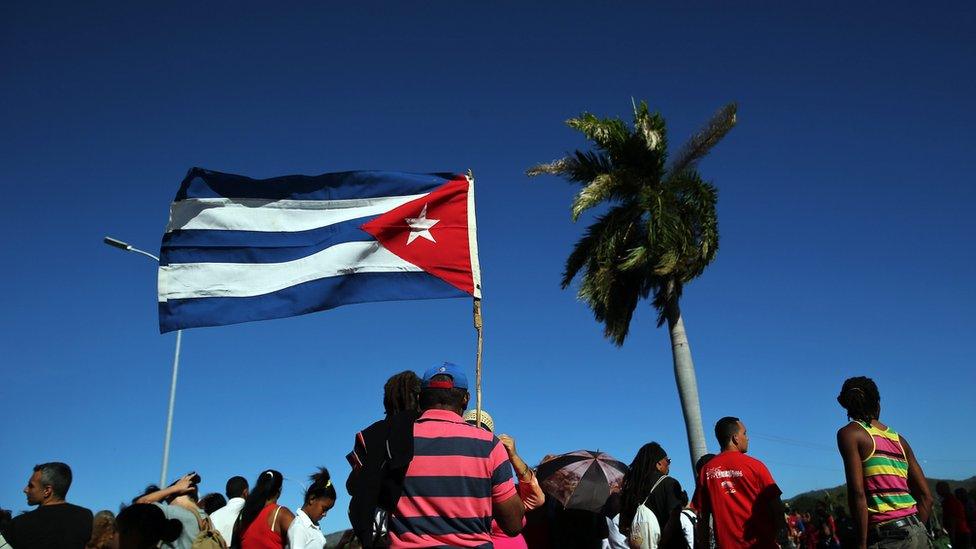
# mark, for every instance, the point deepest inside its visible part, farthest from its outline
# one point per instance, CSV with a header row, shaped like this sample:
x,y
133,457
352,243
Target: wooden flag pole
x,y
478,324
477,371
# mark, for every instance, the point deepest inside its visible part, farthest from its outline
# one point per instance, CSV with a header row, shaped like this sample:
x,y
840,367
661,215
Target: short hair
x,y
211,502
235,488
725,429
860,397
701,463
401,393
57,475
435,396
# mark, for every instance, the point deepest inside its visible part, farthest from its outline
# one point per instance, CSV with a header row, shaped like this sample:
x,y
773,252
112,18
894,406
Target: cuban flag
x,y
238,249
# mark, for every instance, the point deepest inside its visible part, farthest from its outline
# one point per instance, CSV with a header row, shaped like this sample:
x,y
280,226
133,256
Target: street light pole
x,y
176,365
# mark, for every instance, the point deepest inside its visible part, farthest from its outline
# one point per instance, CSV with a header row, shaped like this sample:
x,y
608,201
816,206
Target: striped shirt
x,y
457,472
886,477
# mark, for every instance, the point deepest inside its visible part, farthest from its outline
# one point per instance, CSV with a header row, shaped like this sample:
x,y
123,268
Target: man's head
x,y
236,487
659,458
700,464
650,458
401,393
48,484
444,387
860,397
731,435
942,488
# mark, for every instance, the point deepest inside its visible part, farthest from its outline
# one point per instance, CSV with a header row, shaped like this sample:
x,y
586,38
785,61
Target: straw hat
x,y
486,420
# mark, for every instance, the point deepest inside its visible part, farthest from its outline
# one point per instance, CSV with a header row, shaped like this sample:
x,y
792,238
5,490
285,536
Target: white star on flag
x,y
420,226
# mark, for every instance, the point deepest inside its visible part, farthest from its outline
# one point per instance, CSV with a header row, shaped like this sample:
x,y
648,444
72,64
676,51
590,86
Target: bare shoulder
x,y
851,431
851,438
286,512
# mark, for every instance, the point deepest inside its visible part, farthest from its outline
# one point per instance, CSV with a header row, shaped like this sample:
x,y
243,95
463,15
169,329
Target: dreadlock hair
x,y
266,488
638,481
860,397
321,486
402,393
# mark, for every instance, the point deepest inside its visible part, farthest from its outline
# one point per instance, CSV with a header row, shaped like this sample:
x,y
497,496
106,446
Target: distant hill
x,y
342,539
838,494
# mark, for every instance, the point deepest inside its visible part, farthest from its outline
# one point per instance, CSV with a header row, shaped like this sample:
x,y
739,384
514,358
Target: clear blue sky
x,y
846,194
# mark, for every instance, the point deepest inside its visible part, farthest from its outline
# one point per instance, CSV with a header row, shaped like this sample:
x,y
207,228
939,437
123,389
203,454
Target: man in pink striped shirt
x,y
460,476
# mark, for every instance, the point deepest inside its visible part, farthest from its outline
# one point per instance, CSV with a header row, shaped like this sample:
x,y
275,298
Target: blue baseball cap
x,y
458,379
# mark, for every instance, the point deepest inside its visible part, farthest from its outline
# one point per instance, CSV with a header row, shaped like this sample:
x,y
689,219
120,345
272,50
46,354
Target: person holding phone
x,y
179,501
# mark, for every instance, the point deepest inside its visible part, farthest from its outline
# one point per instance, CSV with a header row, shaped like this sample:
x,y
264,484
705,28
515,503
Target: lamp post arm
x,y
147,254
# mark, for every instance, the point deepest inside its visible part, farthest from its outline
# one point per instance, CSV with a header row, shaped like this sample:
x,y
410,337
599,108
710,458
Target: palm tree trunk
x,y
684,377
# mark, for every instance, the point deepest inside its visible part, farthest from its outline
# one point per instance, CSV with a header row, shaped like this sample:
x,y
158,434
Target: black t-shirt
x,y
663,500
59,526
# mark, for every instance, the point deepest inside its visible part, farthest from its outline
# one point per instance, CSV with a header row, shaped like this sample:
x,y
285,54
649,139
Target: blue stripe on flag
x,y
201,183
210,246
317,295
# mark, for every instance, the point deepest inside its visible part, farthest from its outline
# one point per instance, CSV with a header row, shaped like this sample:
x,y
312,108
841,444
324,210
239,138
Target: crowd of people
x,y
434,474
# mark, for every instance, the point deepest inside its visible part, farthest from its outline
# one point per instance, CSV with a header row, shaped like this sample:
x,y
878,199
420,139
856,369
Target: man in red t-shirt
x,y
953,517
741,495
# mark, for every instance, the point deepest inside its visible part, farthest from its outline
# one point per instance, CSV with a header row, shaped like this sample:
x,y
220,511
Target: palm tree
x,y
659,233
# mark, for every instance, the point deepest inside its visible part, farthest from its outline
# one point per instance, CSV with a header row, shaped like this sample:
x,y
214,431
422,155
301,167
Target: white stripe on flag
x,y
192,280
254,214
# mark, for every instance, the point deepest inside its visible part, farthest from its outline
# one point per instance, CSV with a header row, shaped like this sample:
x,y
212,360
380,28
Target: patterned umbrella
x,y
582,479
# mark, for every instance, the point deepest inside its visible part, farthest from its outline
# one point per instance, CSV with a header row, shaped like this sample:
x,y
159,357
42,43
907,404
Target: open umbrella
x,y
582,479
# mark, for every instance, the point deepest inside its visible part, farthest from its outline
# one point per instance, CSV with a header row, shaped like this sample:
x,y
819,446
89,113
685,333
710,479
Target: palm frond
x,y
606,133
636,259
598,239
595,192
556,167
577,167
699,144
613,295
696,203
649,127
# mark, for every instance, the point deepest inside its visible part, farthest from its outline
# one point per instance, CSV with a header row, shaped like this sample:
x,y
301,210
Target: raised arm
x,y
528,487
847,443
183,486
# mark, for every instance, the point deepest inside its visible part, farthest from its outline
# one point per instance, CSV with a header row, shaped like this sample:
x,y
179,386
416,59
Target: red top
x,y
258,535
736,490
954,515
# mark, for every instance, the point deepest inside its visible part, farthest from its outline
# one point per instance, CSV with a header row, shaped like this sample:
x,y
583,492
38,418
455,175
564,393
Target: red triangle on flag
x,y
431,232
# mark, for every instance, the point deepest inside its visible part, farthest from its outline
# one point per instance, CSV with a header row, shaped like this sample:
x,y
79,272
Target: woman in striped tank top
x,y
887,494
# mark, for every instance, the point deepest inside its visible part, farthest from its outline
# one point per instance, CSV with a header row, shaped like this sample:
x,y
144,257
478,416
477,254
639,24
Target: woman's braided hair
x,y
860,397
402,393
638,481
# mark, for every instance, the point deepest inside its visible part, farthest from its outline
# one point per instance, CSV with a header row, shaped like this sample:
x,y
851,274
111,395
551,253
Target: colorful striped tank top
x,y
886,477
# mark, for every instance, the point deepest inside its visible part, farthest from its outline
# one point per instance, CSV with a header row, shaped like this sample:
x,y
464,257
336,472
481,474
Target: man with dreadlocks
x,y
887,494
647,483
380,455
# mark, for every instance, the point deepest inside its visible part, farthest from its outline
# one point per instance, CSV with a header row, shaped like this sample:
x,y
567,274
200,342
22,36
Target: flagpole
x,y
478,323
477,371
